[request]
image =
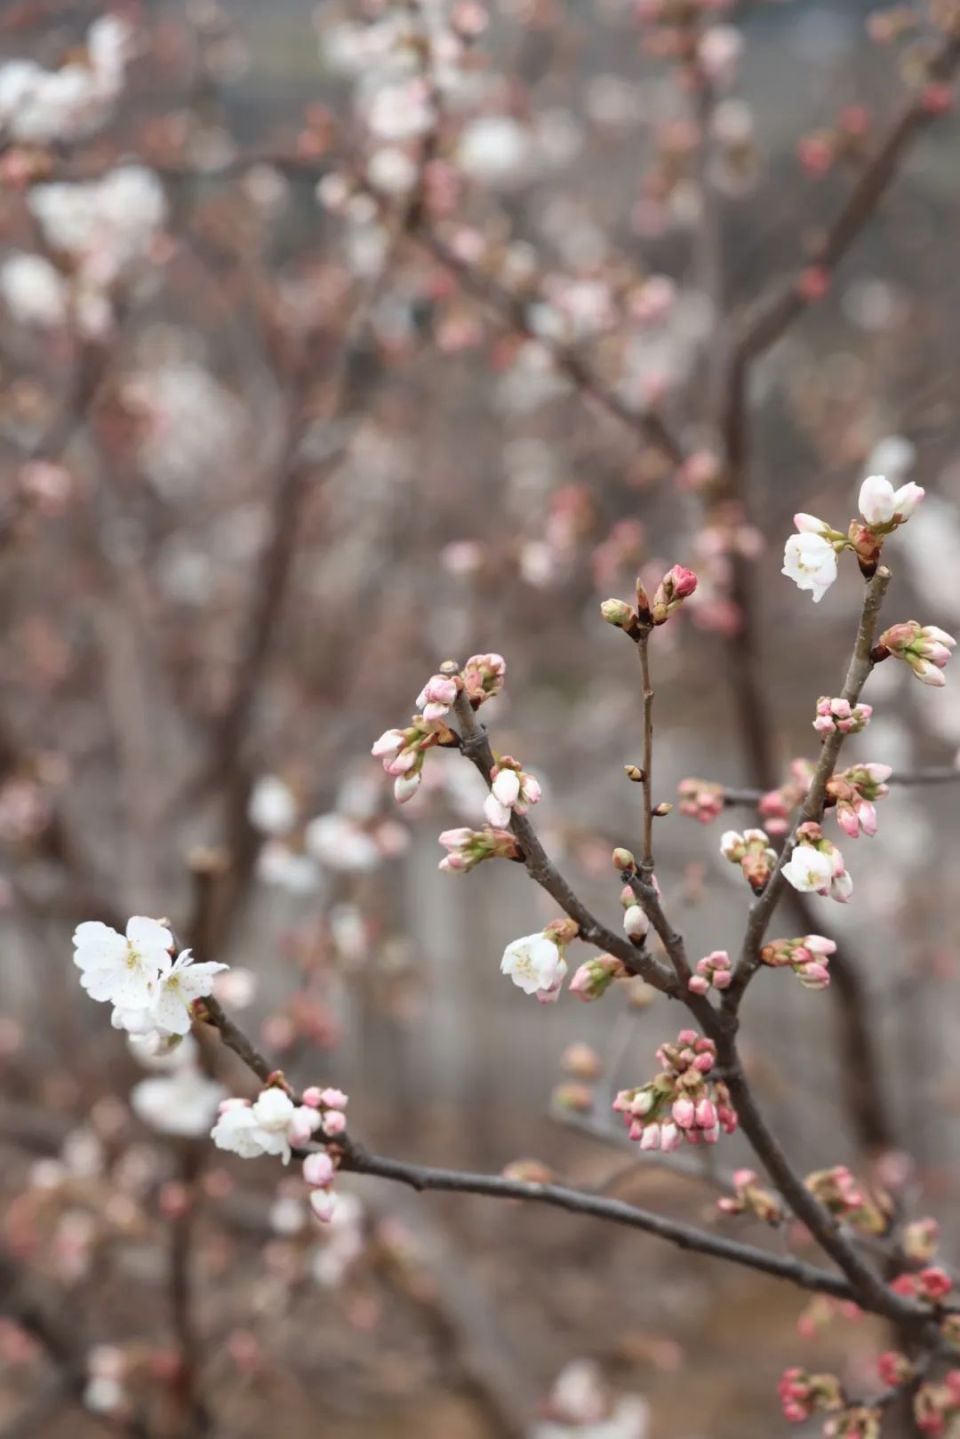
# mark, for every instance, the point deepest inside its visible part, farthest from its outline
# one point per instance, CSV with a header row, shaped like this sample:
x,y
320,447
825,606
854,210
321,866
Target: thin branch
x,y
936,774
476,746
761,911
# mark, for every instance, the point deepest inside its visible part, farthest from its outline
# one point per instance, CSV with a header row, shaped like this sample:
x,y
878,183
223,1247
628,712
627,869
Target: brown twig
x,y
476,746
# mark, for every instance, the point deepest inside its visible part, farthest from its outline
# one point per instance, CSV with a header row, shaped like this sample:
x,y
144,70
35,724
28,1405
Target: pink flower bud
x,y
405,787
389,743
318,1169
635,923
698,985
650,1138
684,1113
706,1114
334,1099
333,1123
671,1137
323,1202
311,1097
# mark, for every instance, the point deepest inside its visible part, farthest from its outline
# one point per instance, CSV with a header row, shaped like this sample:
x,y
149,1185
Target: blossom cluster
x,y
752,851
677,585
701,799
925,648
936,1406
38,105
713,971
151,992
403,751
512,791
853,792
838,716
808,957
844,1197
682,1103
816,865
810,556
275,1123
467,848
750,1197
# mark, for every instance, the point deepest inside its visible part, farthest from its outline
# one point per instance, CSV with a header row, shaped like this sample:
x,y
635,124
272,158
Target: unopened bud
x,y
621,615
634,773
623,861
662,810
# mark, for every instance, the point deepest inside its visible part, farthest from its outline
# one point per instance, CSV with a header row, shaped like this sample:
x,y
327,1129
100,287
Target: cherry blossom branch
x,y
476,746
358,1160
761,911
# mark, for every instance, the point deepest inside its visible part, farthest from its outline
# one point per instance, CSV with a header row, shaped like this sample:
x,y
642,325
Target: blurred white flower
x,y
33,290
340,844
287,869
104,225
272,808
183,1103
495,150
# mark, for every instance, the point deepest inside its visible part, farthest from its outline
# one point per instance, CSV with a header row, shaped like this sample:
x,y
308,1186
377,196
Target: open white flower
x,y
808,870
881,504
177,988
118,969
534,963
269,1126
811,562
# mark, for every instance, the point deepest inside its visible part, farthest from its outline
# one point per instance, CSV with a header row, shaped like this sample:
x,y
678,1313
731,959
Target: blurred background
x,y
330,337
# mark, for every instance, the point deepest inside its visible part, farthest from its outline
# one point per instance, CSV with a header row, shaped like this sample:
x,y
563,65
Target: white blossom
x,y
33,291
811,562
808,870
268,1126
118,969
534,963
177,988
881,504
494,150
340,844
104,225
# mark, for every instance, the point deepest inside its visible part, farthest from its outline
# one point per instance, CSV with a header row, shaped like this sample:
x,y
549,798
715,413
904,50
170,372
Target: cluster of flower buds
x,y
751,1198
932,1284
537,963
839,716
276,1124
752,852
894,1368
677,585
810,556
467,848
636,925
483,677
701,799
320,1167
821,150
714,970
854,792
807,957
682,1103
936,1406
858,1421
843,1197
919,1240
403,751
595,976
777,805
802,1395
925,648
882,509
816,866
512,791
